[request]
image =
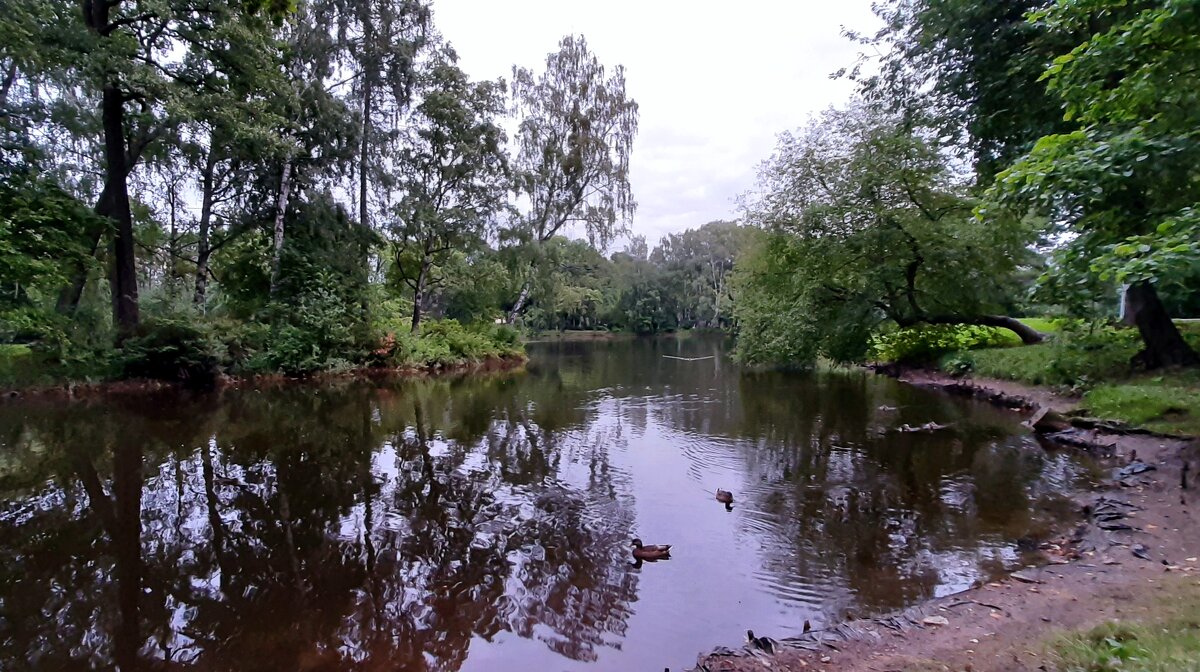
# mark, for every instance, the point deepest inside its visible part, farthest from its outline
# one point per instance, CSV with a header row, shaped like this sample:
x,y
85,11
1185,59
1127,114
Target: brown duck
x,y
650,552
724,496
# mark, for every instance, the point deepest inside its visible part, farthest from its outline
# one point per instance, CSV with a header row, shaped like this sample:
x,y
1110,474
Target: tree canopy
x,y
868,223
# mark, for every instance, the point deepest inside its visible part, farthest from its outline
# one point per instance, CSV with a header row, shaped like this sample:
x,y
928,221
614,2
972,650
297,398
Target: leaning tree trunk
x,y
520,303
1027,334
285,191
1164,346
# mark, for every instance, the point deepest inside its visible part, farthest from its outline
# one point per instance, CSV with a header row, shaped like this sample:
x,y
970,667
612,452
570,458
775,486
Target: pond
x,y
484,523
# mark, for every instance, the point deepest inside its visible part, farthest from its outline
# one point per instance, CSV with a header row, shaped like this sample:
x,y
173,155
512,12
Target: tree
x,y
1126,183
452,172
572,164
869,223
376,43
701,261
135,62
972,69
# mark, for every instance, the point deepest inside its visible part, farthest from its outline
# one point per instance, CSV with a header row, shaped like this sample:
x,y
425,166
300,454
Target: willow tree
x,y
868,223
452,174
1126,182
574,140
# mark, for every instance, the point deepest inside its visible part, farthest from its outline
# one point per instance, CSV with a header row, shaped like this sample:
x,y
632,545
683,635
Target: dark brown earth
x,y
1091,575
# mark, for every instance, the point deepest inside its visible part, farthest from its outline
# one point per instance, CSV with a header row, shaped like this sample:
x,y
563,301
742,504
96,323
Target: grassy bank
x,y
1167,638
196,352
1088,360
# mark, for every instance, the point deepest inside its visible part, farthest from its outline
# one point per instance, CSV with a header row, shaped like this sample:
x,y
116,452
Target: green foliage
x,y
973,68
1082,355
1125,180
869,224
174,349
42,232
926,343
773,326
448,343
316,330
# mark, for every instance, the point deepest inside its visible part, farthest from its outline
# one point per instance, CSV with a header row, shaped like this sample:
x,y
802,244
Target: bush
x,y
319,329
926,343
447,342
173,349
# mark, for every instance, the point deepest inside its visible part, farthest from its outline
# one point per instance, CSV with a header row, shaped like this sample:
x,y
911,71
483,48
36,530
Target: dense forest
x,y
248,186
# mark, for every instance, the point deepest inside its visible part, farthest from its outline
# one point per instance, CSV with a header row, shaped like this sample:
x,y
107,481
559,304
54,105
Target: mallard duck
x,y
724,496
760,643
650,552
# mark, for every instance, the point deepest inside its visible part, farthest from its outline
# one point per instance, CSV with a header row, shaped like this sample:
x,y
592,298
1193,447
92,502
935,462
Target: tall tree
x,y
1127,182
378,45
701,263
869,224
574,140
972,68
136,62
452,173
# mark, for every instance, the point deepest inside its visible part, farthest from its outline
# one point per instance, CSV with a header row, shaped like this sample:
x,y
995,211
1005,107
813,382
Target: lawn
x,y
1096,364
1170,640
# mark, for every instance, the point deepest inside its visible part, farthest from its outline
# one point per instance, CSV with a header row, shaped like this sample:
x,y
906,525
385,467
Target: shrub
x,y
172,349
925,343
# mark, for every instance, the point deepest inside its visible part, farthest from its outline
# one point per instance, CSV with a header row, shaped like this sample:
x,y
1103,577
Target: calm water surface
x,y
484,524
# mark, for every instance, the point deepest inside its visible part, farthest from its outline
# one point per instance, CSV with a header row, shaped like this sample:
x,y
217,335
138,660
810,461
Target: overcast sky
x,y
715,82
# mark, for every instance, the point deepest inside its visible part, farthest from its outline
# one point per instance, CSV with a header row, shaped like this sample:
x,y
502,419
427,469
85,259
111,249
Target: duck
x,y
724,496
760,643
659,552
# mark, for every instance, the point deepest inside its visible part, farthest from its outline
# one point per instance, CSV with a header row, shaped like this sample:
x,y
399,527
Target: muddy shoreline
x,y
137,387
1135,537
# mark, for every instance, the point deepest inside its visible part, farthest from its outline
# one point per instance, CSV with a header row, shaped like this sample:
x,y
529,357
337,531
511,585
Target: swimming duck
x,y
724,496
650,552
760,643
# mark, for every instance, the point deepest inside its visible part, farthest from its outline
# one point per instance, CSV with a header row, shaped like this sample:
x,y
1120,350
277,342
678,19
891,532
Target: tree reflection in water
x,y
362,527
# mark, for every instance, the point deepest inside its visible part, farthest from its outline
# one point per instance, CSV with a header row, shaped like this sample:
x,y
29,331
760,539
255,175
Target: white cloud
x,y
715,82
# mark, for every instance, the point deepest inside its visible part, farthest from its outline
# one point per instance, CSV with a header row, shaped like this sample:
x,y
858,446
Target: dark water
x,y
484,524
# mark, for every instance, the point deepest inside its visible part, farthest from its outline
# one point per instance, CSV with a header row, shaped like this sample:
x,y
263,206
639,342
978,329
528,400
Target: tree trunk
x,y
172,244
202,241
285,190
419,294
124,269
364,149
1164,346
1027,334
10,76
520,303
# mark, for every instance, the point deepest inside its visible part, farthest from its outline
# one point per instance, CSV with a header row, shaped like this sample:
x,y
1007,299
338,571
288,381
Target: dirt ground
x,y
1094,575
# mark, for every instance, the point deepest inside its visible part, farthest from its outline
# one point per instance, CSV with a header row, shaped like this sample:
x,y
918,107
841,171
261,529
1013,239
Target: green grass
x,y
1170,641
1046,325
1167,403
1096,363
